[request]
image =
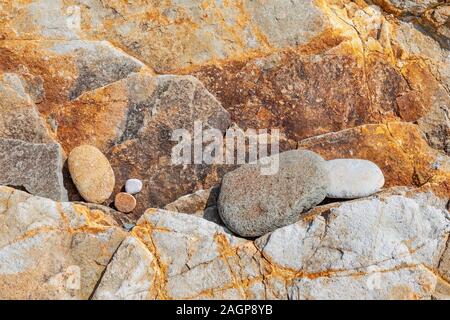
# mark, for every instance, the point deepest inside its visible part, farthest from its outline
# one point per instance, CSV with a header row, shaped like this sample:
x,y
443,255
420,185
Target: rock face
x,y
390,249
345,79
353,178
252,204
19,116
52,250
132,121
33,166
91,173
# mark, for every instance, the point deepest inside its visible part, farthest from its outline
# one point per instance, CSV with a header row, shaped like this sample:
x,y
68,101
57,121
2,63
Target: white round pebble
x,y
353,178
133,186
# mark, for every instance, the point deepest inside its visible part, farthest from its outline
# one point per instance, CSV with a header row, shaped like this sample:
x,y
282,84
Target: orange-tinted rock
x,y
399,149
91,173
124,202
67,68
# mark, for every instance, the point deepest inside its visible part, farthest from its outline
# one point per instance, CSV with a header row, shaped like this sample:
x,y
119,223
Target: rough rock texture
x,y
66,68
353,178
252,204
132,121
390,249
19,116
356,79
202,203
51,250
397,148
91,173
34,166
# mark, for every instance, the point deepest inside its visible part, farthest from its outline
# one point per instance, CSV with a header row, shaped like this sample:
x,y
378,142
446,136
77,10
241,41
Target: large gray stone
x,y
34,166
252,204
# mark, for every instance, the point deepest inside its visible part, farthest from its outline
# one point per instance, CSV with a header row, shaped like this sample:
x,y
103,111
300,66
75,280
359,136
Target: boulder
x,y
398,149
252,204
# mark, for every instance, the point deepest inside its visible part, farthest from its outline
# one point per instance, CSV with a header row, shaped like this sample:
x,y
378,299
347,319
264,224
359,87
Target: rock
x,y
51,250
384,247
353,178
33,166
131,121
415,7
196,259
91,173
398,149
251,204
222,30
202,203
19,118
124,202
64,69
133,186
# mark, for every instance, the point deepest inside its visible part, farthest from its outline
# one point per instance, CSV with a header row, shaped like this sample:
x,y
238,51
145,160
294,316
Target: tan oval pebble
x,y
91,173
125,202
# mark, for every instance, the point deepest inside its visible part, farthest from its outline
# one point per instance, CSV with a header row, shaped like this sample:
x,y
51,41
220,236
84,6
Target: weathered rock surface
x,y
252,204
353,178
66,69
397,148
91,173
184,33
19,116
308,67
384,247
51,250
132,121
34,166
202,203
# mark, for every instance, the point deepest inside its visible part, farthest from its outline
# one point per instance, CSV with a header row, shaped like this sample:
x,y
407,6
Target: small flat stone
x,y
353,178
133,186
251,204
124,202
91,173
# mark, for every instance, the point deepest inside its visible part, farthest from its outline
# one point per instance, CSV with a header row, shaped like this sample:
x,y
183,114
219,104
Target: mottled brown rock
x,y
124,202
91,173
35,167
183,33
132,121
